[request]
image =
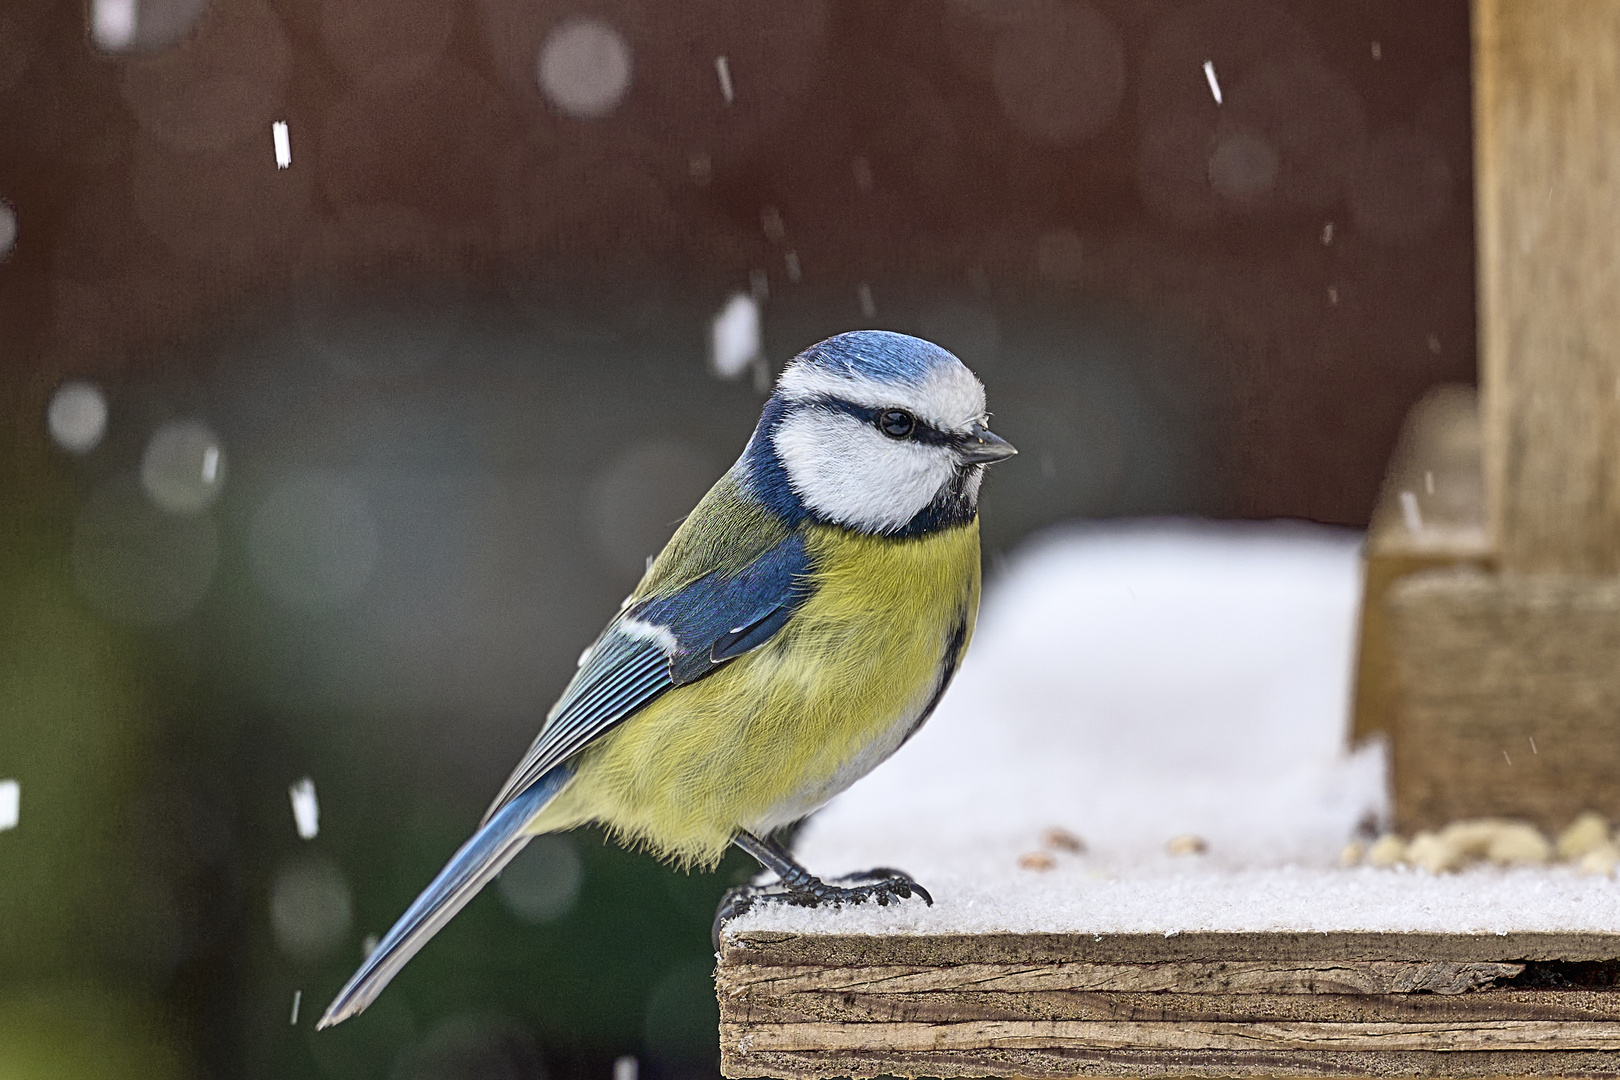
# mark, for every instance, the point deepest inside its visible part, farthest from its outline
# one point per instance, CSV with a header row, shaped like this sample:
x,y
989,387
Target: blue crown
x,y
879,354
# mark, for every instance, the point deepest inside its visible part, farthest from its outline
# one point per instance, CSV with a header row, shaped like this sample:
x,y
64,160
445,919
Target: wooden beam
x,y
1511,698
1180,1035
1430,514
1547,151
800,1007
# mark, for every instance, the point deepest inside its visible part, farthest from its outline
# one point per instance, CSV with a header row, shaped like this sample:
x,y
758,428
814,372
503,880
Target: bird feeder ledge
x,y
1493,618
803,1007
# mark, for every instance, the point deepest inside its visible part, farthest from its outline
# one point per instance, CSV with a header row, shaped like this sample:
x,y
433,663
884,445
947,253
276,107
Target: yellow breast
x,y
779,729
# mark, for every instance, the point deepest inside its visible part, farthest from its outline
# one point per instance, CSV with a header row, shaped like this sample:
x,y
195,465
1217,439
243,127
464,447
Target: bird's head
x,y
878,432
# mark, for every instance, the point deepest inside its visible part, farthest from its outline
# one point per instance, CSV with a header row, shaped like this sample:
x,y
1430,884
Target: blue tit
x,y
799,626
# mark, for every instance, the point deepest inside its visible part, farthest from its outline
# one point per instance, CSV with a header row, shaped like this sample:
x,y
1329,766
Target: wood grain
x,y
1547,151
1511,703
776,948
1435,482
1440,1037
1229,977
1051,1063
799,1007
1169,1007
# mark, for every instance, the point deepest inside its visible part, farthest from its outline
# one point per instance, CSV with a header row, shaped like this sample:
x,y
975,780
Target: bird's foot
x,y
882,884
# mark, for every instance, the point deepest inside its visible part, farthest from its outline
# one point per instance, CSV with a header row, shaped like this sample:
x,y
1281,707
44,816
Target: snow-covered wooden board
x,y
807,1006
1131,683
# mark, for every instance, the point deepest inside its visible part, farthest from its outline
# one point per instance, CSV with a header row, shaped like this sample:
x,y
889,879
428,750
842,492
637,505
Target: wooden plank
x,y
954,1006
1228,977
1440,1037
1207,1004
1511,698
1055,1064
1547,149
1430,514
780,948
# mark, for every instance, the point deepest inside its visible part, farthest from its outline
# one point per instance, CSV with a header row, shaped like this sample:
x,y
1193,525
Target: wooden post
x,y
1430,515
1506,685
1547,151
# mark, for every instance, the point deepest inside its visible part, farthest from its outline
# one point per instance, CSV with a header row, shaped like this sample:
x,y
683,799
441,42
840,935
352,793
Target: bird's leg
x,y
801,888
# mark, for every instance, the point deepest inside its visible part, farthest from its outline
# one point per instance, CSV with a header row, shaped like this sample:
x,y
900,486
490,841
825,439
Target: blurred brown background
x,y
451,372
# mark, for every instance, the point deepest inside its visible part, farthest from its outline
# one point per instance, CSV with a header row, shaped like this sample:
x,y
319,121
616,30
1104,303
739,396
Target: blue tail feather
x,y
469,869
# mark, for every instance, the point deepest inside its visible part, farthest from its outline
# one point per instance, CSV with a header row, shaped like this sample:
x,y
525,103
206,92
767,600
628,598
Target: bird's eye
x,y
897,423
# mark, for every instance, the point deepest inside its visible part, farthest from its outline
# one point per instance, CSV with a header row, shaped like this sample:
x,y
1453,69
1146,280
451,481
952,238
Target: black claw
x,y
883,884
735,902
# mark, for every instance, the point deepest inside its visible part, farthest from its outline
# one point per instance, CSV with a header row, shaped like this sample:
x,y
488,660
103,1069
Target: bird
x,y
800,625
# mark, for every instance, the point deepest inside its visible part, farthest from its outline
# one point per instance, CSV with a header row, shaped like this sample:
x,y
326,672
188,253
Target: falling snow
x,y
722,70
283,141
734,339
306,811
1410,512
1214,84
10,804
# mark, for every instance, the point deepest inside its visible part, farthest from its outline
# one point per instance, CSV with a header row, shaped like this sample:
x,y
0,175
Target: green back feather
x,y
725,532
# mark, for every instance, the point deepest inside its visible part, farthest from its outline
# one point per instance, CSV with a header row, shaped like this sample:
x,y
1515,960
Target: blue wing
x,y
655,644
661,642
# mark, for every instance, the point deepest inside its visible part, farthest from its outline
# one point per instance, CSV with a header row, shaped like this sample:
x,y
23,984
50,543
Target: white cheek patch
x,y
950,398
851,473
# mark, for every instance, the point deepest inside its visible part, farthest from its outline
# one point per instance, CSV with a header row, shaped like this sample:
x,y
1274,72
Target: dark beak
x,y
981,445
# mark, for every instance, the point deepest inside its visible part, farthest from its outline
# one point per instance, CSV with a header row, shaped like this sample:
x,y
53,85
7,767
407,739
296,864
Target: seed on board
x,y
1506,843
1601,860
1186,844
1036,860
1586,833
1387,850
1518,843
1061,839
1434,853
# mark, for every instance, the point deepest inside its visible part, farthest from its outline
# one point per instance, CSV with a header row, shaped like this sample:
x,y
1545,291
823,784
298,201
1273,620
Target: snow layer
x,y
1134,682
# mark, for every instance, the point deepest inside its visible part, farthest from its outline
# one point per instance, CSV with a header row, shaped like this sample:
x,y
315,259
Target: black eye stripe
x,y
922,431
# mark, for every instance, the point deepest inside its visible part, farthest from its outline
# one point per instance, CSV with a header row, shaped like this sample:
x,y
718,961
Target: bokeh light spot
x,y
542,883
8,228
682,1013
310,908
584,68
472,1048
122,26
1060,73
76,417
137,564
183,468
1243,166
312,542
